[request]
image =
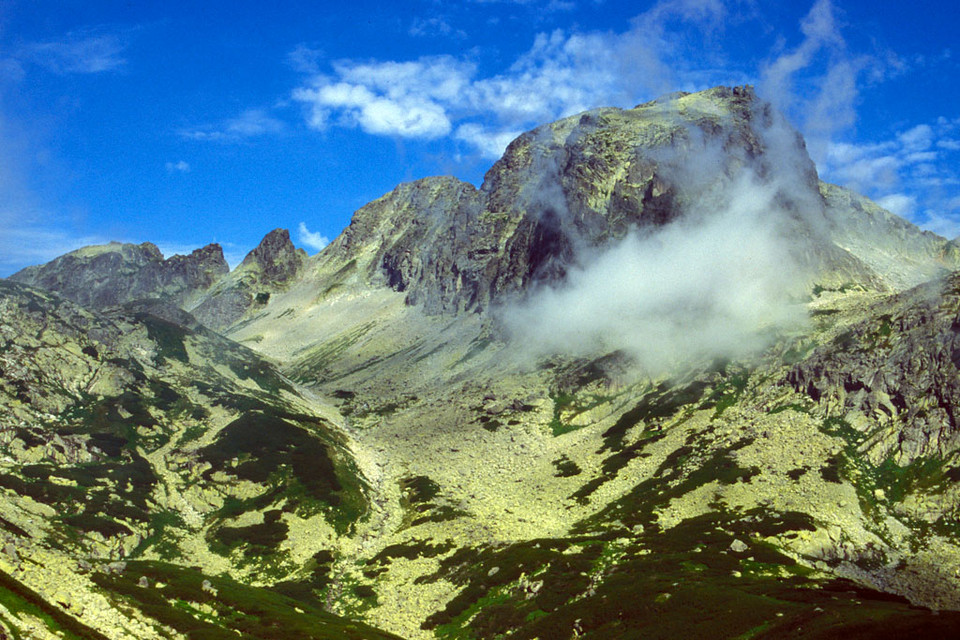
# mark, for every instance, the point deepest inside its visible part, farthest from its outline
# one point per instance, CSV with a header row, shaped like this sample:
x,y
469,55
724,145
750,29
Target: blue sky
x,y
185,123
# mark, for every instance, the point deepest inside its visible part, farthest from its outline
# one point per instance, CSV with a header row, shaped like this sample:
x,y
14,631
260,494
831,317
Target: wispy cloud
x,y
86,51
178,167
24,245
249,124
311,239
817,82
913,174
305,59
561,74
434,26
29,232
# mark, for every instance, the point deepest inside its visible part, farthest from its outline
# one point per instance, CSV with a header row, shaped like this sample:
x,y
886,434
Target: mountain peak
x,y
276,257
111,274
268,268
567,186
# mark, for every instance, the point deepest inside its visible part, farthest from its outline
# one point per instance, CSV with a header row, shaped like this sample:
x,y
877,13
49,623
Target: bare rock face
x,y
901,254
270,267
112,274
276,259
567,187
425,238
899,369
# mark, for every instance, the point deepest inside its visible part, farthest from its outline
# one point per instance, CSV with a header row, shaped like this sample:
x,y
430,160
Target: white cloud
x,y
919,138
490,144
561,74
178,167
712,283
899,203
311,239
85,51
406,99
864,168
817,82
249,124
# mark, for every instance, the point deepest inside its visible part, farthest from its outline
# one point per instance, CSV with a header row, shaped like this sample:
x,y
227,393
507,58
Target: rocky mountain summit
x,y
579,183
651,366
111,274
270,267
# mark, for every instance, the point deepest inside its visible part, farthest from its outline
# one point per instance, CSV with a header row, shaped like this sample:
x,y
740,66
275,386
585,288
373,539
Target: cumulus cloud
x,y
311,239
407,99
561,74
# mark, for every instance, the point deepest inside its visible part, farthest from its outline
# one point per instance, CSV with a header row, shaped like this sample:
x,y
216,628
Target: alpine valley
x,y
653,379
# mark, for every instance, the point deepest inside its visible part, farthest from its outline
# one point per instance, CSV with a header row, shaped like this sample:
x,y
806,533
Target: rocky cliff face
x,y
584,181
896,251
572,184
115,273
269,268
900,370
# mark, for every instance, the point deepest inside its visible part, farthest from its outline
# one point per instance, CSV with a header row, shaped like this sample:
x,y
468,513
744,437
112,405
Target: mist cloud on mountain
x,y
717,281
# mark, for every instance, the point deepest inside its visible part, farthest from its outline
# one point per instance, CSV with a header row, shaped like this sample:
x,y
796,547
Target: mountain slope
x,y
129,442
270,267
652,366
111,274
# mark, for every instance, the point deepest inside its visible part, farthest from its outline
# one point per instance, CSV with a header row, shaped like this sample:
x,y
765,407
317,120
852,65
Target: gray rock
x,y
269,268
900,367
112,274
580,182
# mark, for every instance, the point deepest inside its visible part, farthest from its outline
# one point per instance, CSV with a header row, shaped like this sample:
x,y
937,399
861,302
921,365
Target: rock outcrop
x,y
898,369
899,253
269,268
108,275
583,181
